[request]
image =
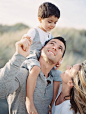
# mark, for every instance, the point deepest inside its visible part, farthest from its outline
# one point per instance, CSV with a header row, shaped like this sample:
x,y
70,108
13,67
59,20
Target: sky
x,y
73,12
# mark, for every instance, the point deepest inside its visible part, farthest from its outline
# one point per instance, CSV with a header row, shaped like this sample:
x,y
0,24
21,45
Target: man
x,y
14,75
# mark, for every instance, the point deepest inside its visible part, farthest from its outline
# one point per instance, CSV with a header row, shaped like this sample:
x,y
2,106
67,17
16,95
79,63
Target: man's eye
x,y
60,48
52,43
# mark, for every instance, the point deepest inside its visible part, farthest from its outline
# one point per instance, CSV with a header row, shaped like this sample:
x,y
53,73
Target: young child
x,y
48,15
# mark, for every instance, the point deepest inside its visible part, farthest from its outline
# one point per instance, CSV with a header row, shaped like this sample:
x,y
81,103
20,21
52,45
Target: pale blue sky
x,y
73,12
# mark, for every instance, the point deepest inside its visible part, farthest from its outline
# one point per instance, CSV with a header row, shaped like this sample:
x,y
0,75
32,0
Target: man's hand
x,y
23,46
30,107
58,64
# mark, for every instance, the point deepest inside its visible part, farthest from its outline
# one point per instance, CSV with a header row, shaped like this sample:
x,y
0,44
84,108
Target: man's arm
x,y
8,81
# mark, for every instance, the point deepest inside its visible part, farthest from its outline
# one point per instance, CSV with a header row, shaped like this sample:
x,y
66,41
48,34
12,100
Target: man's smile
x,y
52,52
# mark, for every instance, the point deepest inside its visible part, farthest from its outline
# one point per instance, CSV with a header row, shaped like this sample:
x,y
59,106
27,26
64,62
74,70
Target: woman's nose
x,y
68,67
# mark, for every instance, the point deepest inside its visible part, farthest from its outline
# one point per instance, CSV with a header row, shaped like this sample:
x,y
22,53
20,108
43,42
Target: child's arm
x,y
31,84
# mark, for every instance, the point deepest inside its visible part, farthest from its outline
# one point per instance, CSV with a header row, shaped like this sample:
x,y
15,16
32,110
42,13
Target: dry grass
x,y
75,52
7,45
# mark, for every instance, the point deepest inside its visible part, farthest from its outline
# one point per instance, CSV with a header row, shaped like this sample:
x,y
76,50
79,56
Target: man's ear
x,y
40,19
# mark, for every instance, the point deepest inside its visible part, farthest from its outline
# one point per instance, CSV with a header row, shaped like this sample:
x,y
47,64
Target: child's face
x,y
47,24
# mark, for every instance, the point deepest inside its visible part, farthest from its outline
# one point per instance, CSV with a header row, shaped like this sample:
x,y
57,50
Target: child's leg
x,y
31,84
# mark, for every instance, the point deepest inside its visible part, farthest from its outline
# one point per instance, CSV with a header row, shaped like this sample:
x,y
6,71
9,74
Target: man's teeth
x,y
52,52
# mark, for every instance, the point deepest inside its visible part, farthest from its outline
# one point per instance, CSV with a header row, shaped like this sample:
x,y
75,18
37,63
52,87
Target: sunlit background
x,y
18,16
73,12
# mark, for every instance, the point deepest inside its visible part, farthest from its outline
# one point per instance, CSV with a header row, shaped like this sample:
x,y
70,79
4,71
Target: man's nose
x,y
55,47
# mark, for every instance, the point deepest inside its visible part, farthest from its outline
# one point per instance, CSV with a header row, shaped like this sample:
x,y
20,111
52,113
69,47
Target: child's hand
x,y
26,36
20,47
29,39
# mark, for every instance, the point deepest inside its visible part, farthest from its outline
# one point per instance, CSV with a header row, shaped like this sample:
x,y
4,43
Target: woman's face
x,y
70,73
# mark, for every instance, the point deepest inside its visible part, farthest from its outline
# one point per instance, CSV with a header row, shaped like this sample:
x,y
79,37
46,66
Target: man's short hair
x,y
61,39
48,9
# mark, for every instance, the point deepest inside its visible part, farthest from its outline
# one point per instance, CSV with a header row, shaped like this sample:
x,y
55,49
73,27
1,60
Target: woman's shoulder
x,y
66,108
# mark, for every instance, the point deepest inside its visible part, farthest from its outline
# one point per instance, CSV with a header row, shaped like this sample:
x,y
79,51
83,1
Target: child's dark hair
x,y
48,9
59,38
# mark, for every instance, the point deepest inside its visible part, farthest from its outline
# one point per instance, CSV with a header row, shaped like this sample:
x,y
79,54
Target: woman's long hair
x,y
78,92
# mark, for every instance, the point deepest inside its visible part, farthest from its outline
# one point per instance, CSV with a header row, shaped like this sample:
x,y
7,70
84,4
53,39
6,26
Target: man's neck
x,y
45,66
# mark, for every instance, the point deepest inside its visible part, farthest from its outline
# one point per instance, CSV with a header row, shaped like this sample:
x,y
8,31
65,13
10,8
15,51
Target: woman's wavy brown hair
x,y
78,92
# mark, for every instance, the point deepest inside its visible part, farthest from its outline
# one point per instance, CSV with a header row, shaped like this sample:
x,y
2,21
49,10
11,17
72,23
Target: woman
x,y
71,98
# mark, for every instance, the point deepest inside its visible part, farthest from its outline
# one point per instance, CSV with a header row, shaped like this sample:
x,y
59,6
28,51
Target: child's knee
x,y
37,68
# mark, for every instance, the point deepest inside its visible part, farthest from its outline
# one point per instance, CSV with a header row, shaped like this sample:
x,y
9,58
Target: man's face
x,y
53,51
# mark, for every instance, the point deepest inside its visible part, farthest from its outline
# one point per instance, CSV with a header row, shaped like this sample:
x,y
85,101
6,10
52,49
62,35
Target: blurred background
x,y
17,17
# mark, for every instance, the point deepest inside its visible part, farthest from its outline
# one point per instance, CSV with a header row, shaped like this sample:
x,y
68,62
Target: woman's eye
x,y
55,22
49,22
